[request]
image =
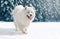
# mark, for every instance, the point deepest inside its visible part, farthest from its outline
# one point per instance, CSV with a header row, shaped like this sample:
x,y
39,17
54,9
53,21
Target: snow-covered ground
x,y
37,30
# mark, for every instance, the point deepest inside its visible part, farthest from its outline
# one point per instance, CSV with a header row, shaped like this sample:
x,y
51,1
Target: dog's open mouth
x,y
29,17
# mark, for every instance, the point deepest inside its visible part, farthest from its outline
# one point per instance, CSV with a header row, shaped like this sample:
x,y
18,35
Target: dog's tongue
x,y
29,17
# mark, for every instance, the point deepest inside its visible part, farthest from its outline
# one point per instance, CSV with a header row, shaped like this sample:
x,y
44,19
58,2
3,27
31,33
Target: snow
x,y
37,30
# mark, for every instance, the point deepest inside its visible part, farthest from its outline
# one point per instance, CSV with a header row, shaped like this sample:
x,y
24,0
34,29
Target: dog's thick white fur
x,y
23,16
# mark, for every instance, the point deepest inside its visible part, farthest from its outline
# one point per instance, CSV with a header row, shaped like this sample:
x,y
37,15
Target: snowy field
x,y
47,30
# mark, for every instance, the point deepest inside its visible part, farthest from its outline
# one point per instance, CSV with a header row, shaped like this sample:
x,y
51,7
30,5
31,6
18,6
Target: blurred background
x,y
46,10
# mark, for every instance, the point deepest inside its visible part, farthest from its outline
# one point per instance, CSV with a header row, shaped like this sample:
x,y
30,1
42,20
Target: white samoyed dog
x,y
23,16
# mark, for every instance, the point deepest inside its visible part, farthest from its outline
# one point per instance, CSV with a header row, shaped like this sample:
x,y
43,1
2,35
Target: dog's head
x,y
30,12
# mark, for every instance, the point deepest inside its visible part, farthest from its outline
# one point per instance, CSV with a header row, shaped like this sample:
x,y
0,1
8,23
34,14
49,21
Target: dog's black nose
x,y
30,14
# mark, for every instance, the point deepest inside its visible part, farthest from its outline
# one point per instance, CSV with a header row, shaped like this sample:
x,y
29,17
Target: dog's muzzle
x,y
29,16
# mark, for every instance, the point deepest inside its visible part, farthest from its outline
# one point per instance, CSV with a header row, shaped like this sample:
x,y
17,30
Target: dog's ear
x,y
26,7
33,8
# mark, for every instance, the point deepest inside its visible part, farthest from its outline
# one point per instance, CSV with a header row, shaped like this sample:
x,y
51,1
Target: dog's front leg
x,y
24,30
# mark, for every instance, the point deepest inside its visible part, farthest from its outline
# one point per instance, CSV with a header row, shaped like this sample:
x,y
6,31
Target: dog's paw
x,y
25,32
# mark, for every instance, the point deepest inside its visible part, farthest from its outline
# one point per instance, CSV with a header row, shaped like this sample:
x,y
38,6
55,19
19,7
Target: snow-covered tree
x,y
46,10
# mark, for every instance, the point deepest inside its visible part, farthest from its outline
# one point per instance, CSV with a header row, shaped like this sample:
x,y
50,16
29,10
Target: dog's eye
x,y
27,12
